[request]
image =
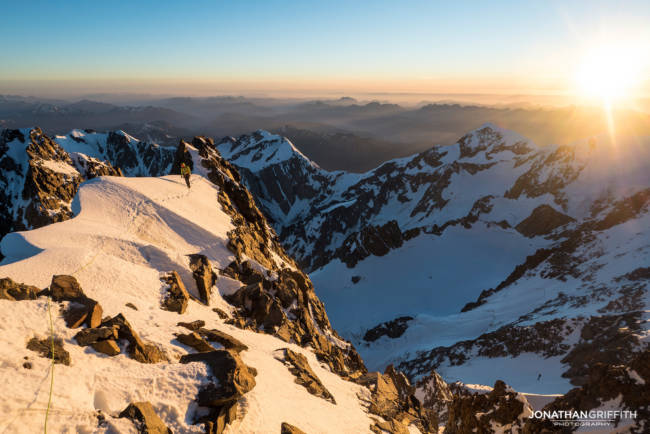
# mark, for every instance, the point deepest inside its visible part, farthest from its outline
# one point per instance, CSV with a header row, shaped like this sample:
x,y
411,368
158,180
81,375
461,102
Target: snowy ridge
x,y
134,230
132,156
260,149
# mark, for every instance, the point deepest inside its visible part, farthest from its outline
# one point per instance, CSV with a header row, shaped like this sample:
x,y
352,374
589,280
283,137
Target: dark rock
x,y
85,310
203,275
194,325
44,348
356,279
300,368
75,315
287,428
27,365
393,329
486,412
224,339
108,347
371,240
222,314
95,312
131,305
195,341
391,426
437,395
137,349
220,417
177,297
66,288
542,221
10,290
259,305
145,418
233,377
393,398
91,335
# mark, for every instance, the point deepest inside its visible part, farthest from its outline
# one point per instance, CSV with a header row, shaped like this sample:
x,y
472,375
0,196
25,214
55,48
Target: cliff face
x,y
39,179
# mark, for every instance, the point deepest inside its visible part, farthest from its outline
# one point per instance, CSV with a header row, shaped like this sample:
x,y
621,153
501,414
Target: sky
x,y
199,47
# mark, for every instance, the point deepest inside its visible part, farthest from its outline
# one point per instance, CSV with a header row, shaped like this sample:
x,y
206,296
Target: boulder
x,y
259,305
203,275
216,421
44,348
233,377
84,311
299,367
91,335
10,290
195,341
177,296
108,347
222,314
391,426
66,288
137,349
224,339
145,418
193,326
287,428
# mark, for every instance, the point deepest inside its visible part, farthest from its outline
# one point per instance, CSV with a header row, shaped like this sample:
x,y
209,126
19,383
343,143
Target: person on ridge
x,y
185,173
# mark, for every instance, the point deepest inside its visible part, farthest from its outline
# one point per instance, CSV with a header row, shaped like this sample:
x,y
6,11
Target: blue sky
x,y
388,43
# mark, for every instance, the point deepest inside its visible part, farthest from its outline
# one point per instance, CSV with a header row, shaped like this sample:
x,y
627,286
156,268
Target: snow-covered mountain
x,y
490,252
176,310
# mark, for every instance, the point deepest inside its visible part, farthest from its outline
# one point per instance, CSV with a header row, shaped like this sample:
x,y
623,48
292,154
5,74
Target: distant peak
x,y
260,149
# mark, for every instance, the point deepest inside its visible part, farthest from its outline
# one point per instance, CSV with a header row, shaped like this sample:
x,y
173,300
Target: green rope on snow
x,y
49,399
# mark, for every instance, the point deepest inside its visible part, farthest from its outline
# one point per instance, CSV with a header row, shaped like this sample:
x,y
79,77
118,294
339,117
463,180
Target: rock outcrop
x,y
542,221
287,428
177,296
299,367
145,418
492,412
203,275
393,398
39,179
232,378
138,349
14,291
392,329
435,394
625,385
272,281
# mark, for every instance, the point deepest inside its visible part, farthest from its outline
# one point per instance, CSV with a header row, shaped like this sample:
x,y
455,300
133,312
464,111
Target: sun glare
x,y
609,73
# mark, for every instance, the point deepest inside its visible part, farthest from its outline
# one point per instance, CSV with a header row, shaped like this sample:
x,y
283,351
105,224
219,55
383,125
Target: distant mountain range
x,y
369,133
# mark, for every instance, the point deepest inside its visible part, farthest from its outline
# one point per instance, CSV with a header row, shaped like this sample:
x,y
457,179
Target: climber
x,y
185,173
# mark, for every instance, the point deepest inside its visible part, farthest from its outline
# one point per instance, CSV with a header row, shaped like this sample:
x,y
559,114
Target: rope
x,y
49,399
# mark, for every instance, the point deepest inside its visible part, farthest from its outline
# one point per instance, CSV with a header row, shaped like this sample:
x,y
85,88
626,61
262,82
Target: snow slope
x,y
125,233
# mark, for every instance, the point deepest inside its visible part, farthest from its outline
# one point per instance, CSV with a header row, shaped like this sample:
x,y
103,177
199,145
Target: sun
x,y
609,73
